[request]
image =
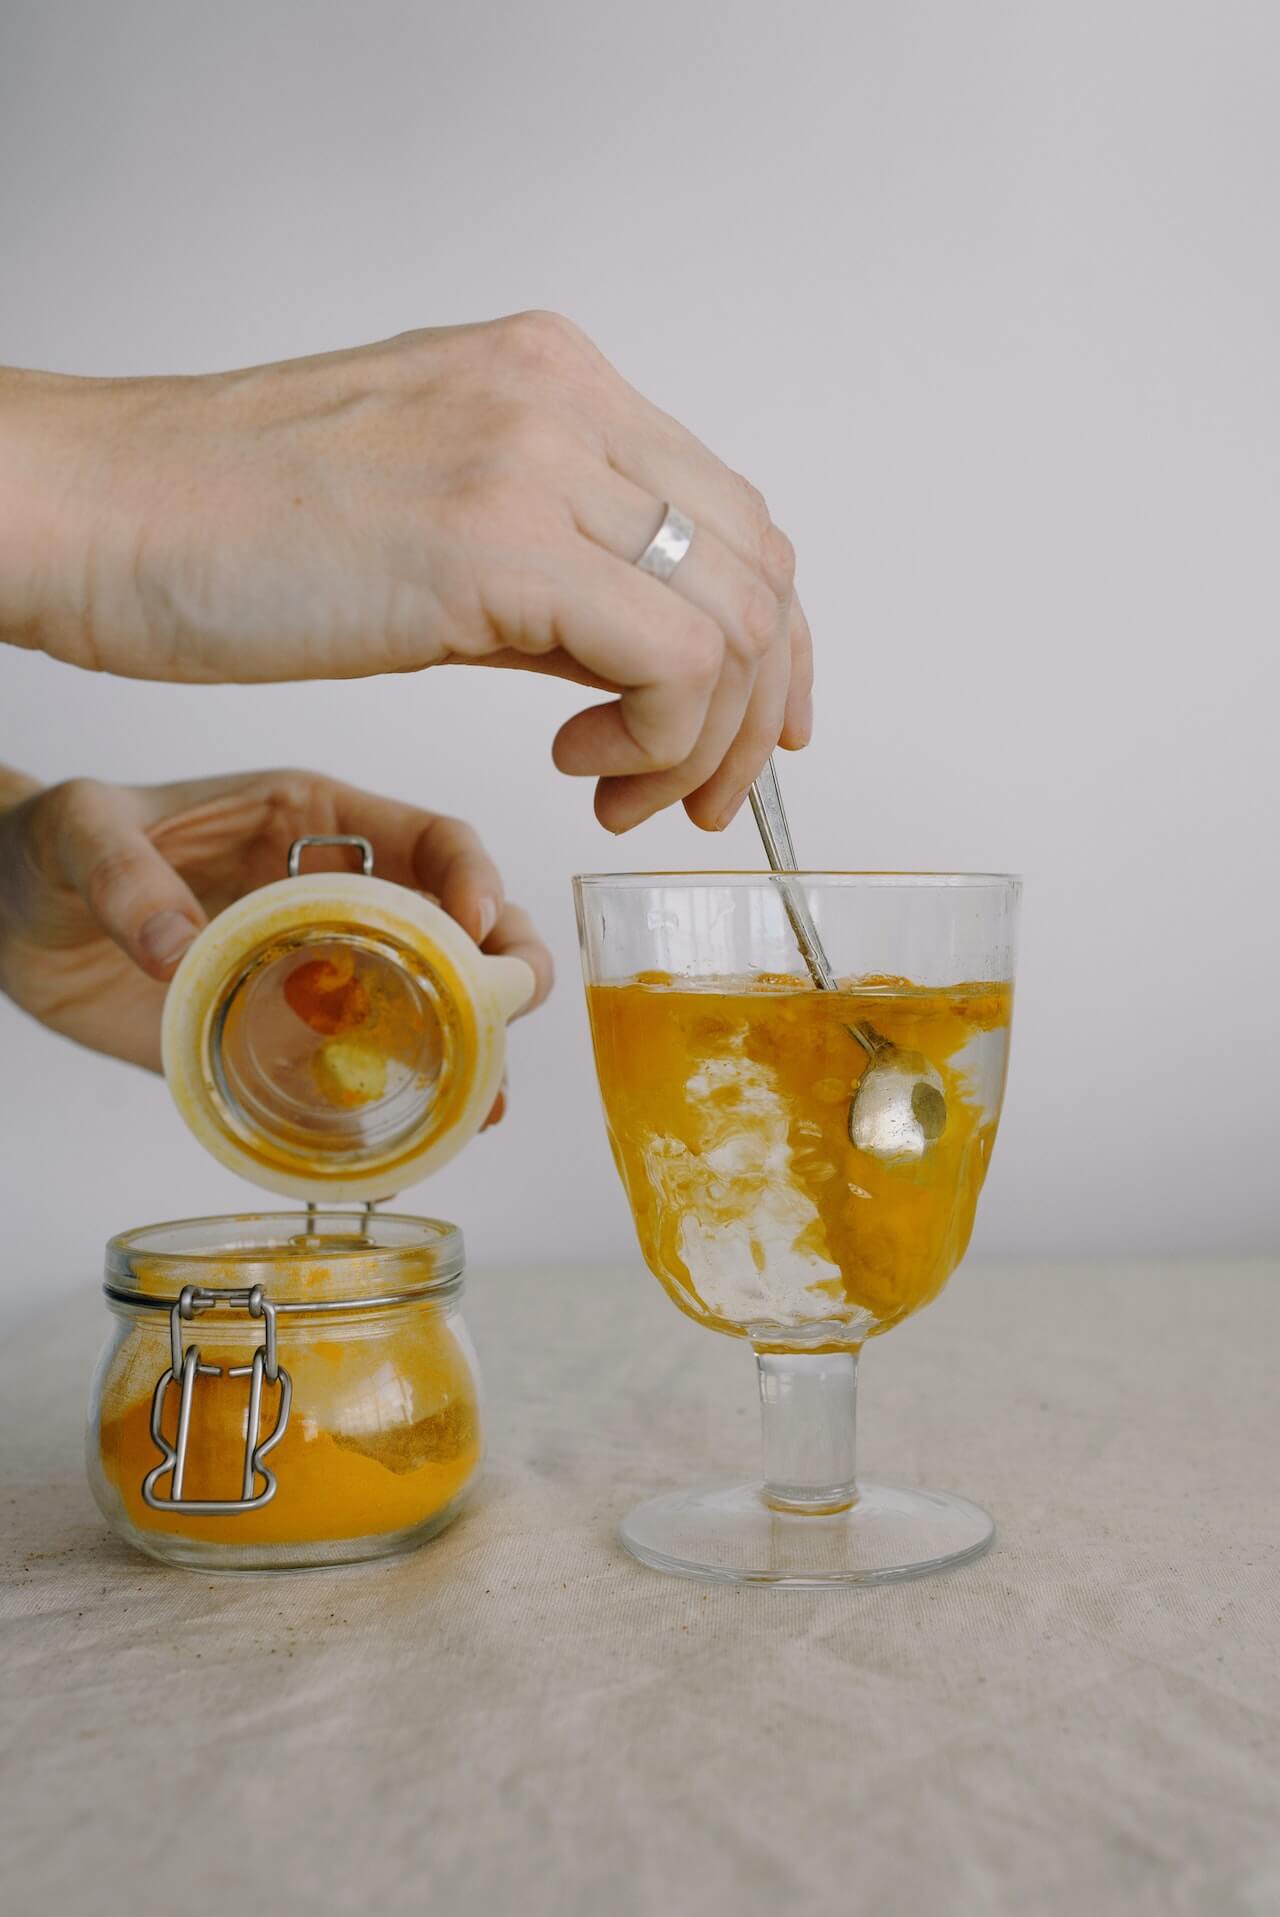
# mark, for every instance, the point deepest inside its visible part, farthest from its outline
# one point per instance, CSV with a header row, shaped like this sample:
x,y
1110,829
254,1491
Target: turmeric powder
x,y
383,1434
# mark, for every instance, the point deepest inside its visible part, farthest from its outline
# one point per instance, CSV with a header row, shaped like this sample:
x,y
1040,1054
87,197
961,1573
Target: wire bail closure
x,y
362,846
184,1368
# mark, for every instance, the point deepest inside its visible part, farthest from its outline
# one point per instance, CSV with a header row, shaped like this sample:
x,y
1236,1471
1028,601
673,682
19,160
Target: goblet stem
x,y
808,1413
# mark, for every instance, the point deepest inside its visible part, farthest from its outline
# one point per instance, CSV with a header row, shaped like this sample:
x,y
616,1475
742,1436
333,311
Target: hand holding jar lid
x,y
104,887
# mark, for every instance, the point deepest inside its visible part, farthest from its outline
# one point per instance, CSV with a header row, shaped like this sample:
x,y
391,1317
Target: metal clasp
x,y
184,1368
299,846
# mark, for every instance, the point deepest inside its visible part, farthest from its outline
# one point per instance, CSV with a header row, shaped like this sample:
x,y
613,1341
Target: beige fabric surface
x,y
521,1719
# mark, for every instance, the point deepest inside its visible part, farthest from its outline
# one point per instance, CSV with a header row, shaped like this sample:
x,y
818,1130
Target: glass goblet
x,y
728,1083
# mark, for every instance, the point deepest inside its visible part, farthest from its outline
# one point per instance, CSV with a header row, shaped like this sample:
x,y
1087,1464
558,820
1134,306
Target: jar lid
x,y
335,1037
303,1260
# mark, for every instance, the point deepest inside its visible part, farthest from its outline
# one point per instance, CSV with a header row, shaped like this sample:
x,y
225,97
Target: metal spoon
x,y
898,1109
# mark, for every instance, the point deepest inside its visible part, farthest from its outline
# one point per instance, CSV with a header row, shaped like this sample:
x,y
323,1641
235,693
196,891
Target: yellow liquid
x,y
727,1105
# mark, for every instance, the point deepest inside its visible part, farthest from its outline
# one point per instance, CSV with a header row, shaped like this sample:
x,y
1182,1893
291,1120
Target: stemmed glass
x,y
728,1082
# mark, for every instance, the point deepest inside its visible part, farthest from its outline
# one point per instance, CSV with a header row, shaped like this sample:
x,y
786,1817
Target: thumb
x,y
131,889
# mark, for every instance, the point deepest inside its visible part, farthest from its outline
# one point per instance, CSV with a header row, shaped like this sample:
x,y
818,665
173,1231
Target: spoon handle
x,y
775,833
771,818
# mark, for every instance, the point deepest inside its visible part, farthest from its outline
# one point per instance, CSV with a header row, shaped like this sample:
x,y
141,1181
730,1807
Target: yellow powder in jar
x,y
383,1435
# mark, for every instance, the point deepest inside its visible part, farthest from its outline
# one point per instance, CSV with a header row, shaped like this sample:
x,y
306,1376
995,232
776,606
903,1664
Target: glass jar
x,y
284,1389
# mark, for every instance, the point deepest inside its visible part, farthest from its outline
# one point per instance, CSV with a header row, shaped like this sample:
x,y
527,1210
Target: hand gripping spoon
x,y
898,1108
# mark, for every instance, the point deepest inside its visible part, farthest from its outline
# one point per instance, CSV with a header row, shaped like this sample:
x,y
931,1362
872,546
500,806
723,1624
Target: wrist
x,y
54,432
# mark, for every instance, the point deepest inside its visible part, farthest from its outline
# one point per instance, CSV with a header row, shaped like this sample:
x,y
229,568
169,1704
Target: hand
x,y
103,887
471,494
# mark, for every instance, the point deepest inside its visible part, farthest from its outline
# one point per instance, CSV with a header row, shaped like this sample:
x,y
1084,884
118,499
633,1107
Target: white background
x,y
985,297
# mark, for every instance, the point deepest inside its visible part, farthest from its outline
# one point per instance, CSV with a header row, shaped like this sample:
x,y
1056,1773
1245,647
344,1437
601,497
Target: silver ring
x,y
668,546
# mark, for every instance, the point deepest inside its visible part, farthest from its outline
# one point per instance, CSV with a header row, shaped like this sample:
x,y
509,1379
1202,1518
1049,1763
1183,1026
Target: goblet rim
x,y
908,877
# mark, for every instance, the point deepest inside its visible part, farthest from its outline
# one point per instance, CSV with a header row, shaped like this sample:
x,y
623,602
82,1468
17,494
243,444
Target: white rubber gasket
x,y
486,992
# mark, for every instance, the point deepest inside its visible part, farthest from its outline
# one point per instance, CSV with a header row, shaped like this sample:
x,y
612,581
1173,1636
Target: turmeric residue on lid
x,y
365,1026
326,994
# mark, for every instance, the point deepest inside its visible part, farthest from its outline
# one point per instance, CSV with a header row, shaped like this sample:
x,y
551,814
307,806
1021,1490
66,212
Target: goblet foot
x,y
729,1534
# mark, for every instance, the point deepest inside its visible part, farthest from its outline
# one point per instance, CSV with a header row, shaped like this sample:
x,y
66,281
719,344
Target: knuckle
x,y
756,741
467,846
73,800
755,507
63,823
110,875
683,746
800,623
457,842
542,341
774,551
521,603
778,558
442,833
294,796
701,653
665,746
759,619
408,347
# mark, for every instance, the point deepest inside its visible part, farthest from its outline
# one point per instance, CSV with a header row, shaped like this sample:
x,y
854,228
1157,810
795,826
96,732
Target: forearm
x,y
53,513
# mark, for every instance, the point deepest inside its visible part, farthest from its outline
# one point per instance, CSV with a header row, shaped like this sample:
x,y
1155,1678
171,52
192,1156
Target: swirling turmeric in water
x,y
727,1104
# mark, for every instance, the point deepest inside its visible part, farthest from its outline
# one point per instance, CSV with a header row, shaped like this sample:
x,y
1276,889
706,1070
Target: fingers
x,y
438,854
620,517
446,857
735,742
450,861
431,851
667,461
743,583
515,936
664,655
797,723
718,801
134,893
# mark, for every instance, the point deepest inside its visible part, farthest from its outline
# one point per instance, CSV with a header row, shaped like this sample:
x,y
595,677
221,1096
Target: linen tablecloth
x,y
518,1718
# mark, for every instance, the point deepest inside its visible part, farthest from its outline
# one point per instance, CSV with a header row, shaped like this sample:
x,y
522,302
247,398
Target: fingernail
x,y
731,811
806,719
488,918
165,937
